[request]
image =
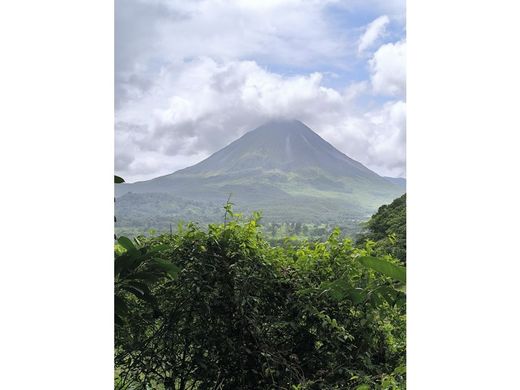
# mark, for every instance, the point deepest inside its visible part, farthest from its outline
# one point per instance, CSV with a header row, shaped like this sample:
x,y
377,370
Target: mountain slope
x,y
282,168
283,145
401,182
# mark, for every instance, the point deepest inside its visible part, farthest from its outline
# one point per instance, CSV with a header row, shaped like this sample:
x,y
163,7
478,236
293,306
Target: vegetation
x,y
221,308
172,210
387,228
139,213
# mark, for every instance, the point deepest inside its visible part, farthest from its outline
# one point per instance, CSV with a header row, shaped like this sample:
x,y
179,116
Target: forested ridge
x,y
220,307
387,227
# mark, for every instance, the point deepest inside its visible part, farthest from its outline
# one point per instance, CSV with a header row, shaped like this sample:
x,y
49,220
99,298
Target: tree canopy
x,y
387,228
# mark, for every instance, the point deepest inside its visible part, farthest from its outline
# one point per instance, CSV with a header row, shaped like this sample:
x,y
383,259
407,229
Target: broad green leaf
x,y
139,293
124,264
118,180
126,243
394,271
170,268
357,295
341,288
337,293
363,387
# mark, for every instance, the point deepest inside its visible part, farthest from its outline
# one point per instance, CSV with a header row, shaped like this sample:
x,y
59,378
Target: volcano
x,y
282,168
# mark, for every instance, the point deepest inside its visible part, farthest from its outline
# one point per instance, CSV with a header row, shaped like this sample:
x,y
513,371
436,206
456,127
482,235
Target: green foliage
x,y
387,228
137,214
277,233
136,268
241,314
387,268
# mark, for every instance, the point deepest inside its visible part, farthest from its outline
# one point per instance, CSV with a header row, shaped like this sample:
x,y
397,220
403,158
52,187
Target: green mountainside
x,y
282,168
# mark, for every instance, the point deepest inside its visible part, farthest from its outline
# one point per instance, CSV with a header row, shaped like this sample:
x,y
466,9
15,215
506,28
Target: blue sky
x,y
193,76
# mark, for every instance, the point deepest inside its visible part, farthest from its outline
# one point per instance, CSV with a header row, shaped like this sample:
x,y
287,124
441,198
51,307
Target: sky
x,y
193,76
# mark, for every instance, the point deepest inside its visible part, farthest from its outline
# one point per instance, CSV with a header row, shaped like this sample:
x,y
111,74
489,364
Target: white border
x,y
56,103
463,195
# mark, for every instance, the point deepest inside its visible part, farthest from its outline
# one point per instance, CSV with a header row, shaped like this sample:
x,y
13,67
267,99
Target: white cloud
x,y
198,107
284,33
376,138
388,69
373,31
387,149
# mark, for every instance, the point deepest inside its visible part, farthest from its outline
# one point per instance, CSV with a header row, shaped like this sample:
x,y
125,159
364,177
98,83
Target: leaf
x,y
118,180
171,269
394,271
120,306
118,249
337,289
341,288
125,264
357,295
363,387
126,243
158,248
389,294
140,290
139,293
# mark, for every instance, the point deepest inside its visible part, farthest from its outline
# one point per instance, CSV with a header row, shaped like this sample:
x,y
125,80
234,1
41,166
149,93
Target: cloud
x,y
372,33
376,138
388,69
283,33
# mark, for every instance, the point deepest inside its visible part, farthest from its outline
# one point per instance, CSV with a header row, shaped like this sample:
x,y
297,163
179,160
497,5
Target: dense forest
x,y
222,307
155,213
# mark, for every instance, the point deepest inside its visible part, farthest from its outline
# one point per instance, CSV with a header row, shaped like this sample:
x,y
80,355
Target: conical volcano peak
x,y
283,126
280,145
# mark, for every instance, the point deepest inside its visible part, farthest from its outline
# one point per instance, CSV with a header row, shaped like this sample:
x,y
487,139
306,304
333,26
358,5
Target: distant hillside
x,y
401,182
282,168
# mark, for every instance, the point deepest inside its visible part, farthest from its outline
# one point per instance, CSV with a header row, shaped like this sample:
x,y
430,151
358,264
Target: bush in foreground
x,y
241,314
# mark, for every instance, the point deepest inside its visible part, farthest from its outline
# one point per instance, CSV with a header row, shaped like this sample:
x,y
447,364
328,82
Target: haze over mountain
x,y
282,168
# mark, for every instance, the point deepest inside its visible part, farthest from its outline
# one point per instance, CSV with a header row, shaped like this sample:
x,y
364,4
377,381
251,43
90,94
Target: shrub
x,y
244,315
